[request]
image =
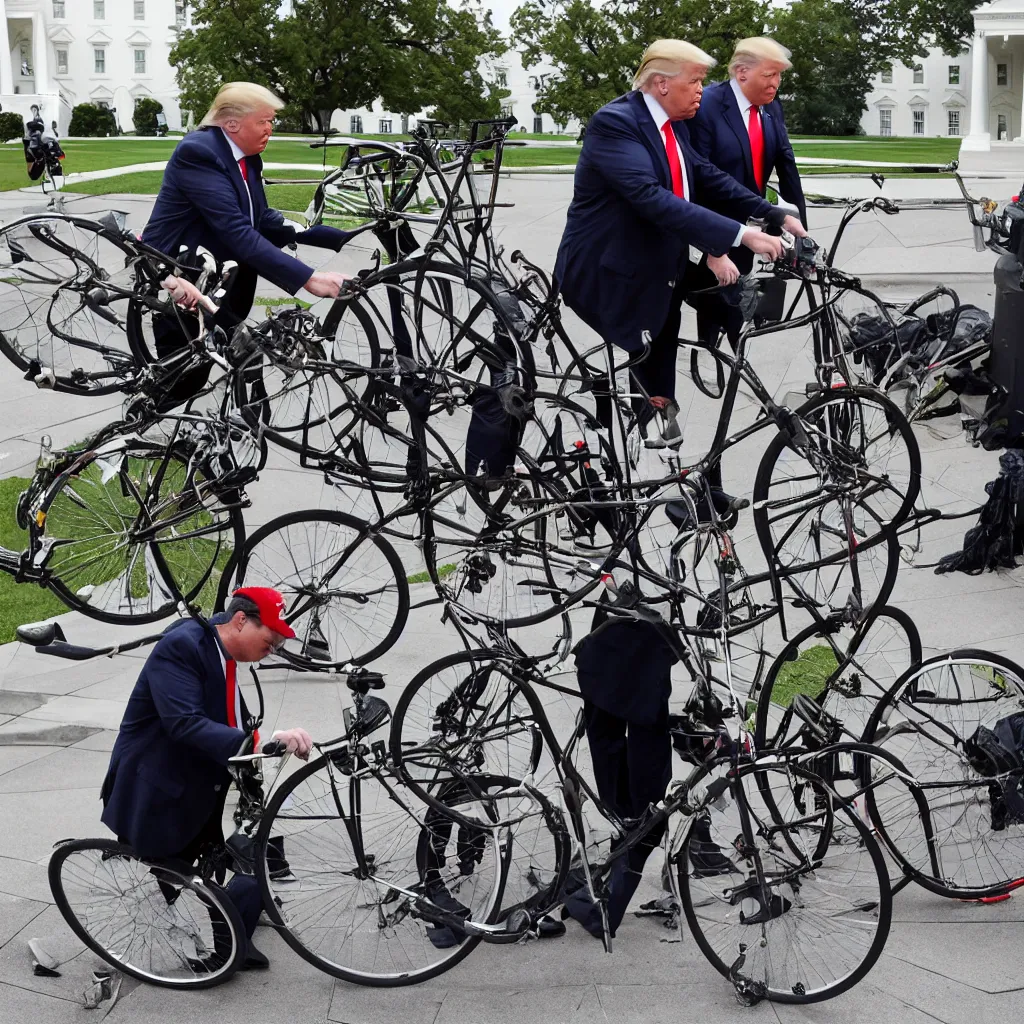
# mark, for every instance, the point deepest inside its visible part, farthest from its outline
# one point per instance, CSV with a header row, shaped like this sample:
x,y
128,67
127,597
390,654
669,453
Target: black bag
x,y
998,752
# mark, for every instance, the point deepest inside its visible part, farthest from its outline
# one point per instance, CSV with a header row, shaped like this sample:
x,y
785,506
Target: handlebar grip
x,y
274,748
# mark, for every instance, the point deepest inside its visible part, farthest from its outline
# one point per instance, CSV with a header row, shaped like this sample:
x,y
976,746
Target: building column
x,y
6,74
980,139
40,61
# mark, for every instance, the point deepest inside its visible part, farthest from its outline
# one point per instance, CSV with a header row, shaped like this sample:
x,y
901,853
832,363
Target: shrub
x,y
89,119
144,115
11,126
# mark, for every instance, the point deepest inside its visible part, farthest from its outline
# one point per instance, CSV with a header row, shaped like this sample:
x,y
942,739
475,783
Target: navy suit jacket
x,y
203,202
627,236
168,769
720,135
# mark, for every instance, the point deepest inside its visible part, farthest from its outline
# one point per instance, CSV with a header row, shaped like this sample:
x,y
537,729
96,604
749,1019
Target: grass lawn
x,y
19,602
807,674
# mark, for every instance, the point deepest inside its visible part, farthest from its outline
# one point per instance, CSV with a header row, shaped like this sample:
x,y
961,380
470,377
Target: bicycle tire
x,y
326,643
454,688
318,802
851,873
920,724
100,352
181,926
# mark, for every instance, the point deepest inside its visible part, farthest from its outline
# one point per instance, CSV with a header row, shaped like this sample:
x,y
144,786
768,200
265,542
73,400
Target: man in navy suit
x,y
645,204
165,788
740,129
212,196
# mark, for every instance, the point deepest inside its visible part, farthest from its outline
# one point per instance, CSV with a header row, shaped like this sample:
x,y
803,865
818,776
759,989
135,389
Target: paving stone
x,y
65,768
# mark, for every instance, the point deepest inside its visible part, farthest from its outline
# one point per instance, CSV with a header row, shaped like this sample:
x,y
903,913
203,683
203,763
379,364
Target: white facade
x,y
928,100
58,53
522,84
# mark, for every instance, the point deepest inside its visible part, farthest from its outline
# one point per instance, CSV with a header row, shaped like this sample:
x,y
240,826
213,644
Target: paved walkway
x,y
948,962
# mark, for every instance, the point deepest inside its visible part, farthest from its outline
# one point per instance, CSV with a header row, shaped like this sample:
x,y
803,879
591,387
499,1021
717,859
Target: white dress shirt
x,y
239,155
660,117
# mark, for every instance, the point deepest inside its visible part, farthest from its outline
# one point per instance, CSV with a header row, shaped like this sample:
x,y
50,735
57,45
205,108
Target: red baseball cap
x,y
271,606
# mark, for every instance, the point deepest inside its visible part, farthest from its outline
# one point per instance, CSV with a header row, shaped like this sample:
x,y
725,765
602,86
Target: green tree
x,y
144,115
596,49
823,93
12,126
89,119
337,54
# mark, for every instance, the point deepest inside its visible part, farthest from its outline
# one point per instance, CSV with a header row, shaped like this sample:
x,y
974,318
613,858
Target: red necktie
x,y
756,146
243,169
234,700
674,166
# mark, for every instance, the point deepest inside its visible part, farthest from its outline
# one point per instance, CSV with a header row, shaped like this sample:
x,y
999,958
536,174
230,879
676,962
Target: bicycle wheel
x,y
151,921
346,590
49,265
969,846
801,911
367,862
846,668
463,715
292,387
860,449
128,532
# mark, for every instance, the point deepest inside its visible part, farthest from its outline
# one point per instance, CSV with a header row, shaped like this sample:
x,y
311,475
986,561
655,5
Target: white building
x,y
58,53
932,98
508,71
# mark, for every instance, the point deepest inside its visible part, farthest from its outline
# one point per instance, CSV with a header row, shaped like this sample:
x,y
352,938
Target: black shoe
x,y
726,506
255,960
549,928
707,860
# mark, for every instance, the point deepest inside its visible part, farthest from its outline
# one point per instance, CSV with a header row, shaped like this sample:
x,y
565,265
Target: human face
x,y
680,95
252,132
247,639
761,83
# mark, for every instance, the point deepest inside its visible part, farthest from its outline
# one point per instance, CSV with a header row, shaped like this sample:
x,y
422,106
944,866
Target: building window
x,y
405,124
502,78
918,75
885,122
954,74
1001,132
953,122
140,62
355,124
100,59
538,124
26,60
140,10
62,62
58,9
918,122
179,14
103,104
384,126
99,10
506,111
887,75
1002,74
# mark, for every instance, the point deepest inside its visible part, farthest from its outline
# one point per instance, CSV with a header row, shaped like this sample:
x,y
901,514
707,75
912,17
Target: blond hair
x,y
236,99
667,57
751,52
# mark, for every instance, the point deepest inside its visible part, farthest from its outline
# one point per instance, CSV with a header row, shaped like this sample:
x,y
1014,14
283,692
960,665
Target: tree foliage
x,y
144,115
89,119
837,46
12,126
340,54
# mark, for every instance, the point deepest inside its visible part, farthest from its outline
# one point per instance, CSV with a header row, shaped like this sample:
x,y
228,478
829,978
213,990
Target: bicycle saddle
x,y
40,634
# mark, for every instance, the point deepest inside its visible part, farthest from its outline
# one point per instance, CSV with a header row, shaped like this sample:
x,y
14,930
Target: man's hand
x,y
659,402
296,741
725,271
764,245
326,284
794,227
186,294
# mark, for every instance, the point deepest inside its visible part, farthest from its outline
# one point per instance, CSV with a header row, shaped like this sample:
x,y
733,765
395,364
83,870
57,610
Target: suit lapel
x,y
770,139
223,150
731,111
655,140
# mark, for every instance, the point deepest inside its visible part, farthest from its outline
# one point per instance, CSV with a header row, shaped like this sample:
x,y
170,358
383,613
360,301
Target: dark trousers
x,y
715,317
632,768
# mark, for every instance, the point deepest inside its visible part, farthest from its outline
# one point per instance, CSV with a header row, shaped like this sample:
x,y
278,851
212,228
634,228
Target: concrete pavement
x,y
950,962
